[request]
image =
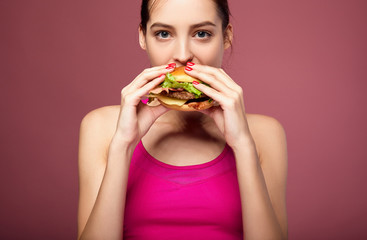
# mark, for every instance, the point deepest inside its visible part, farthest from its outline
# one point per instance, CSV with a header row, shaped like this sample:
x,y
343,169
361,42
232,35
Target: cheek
x,y
210,54
158,55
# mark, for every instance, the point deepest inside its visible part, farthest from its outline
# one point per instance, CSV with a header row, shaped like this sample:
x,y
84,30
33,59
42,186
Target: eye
x,y
162,34
203,34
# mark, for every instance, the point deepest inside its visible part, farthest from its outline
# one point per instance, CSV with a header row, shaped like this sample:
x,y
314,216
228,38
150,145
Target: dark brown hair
x,y
222,9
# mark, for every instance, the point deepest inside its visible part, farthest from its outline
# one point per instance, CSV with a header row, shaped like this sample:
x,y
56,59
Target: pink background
x,y
303,62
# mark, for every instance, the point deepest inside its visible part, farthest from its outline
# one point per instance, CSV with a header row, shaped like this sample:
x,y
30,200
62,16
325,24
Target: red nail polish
x,y
170,67
190,64
188,68
195,82
162,75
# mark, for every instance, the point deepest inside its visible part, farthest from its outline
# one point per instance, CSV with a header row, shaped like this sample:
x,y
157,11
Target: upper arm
x,y
271,142
94,137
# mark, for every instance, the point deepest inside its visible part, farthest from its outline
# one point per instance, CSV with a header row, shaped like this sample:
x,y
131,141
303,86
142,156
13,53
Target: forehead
x,y
183,11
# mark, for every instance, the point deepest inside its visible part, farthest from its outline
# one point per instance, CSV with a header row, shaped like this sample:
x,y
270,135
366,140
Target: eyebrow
x,y
198,25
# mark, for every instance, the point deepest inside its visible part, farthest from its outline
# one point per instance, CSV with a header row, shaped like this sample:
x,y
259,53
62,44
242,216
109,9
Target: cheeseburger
x,y
177,92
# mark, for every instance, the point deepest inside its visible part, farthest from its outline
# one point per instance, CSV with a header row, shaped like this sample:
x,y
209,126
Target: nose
x,y
182,52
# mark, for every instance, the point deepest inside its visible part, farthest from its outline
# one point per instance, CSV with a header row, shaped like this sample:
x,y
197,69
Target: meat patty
x,y
179,95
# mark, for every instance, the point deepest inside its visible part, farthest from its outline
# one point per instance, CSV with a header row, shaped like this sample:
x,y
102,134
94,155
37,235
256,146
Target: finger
x,y
147,75
234,92
217,75
133,97
145,112
227,102
211,80
150,85
142,79
211,92
216,113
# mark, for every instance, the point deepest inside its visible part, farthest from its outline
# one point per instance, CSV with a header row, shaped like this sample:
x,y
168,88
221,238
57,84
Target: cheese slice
x,y
168,100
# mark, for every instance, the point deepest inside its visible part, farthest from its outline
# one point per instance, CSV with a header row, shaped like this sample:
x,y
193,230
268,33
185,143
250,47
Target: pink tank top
x,y
182,202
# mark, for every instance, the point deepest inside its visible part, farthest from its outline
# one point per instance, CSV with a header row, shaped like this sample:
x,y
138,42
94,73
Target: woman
x,y
151,173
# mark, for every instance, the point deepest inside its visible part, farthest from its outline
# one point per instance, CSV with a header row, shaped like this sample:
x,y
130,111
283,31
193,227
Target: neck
x,y
176,128
184,120
190,124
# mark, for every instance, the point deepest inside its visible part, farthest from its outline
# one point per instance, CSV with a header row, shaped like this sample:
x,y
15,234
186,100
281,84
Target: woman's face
x,y
180,31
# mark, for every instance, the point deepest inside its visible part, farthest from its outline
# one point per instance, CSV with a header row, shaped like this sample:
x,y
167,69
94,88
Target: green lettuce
x,y
170,82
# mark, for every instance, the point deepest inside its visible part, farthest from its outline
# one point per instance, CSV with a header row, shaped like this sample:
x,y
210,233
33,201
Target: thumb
x,y
151,112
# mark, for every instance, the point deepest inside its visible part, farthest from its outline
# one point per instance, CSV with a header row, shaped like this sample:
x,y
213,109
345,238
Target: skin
x,y
109,135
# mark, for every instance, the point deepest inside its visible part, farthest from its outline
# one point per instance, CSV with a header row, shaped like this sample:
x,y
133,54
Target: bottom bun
x,y
193,106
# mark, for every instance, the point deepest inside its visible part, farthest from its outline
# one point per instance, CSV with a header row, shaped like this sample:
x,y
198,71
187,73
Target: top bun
x,y
181,76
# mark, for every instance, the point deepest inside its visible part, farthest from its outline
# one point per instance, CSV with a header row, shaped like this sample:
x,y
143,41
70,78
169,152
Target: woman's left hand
x,y
230,115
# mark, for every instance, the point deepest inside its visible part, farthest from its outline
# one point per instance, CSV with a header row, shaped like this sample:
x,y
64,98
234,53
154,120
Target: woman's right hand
x,y
136,118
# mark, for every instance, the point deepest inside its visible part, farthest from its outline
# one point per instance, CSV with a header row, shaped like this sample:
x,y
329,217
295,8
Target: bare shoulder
x,y
269,136
97,128
104,118
264,125
105,112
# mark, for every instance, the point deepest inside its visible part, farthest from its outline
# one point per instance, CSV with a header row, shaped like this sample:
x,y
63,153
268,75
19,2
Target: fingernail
x,y
190,64
188,68
145,101
172,65
195,82
162,75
